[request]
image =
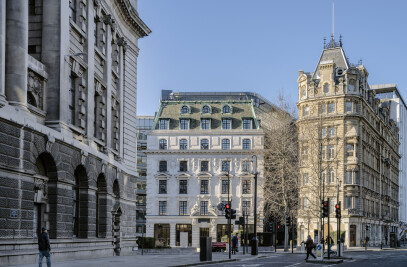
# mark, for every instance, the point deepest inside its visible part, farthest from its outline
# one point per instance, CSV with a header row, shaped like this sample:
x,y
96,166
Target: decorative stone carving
x,y
122,42
50,140
35,90
84,155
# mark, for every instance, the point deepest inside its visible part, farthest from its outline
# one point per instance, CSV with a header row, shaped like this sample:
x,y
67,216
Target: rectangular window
x,y
225,166
246,207
225,186
246,166
204,166
350,150
163,166
246,186
184,124
323,152
304,155
331,131
183,166
162,188
71,115
305,178
247,124
204,208
323,132
322,108
204,187
331,151
306,204
306,111
183,187
348,202
183,208
205,124
162,207
163,124
348,107
348,177
331,107
226,124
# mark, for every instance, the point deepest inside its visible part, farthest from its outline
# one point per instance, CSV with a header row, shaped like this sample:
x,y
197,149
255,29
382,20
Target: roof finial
x,y
360,62
324,42
340,40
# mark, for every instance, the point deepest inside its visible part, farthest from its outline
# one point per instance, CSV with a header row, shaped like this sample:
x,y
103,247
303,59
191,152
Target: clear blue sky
x,y
259,45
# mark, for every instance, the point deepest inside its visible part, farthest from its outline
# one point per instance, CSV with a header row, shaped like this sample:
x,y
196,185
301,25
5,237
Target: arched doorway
x,y
116,214
101,206
45,198
80,203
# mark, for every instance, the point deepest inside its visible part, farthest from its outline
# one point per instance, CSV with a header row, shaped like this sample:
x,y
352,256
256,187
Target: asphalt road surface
x,y
393,258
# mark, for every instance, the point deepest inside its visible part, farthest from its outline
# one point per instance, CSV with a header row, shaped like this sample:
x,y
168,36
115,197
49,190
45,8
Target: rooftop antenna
x,y
333,19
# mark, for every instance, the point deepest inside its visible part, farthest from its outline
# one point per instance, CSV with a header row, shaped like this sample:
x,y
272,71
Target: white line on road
x,y
293,264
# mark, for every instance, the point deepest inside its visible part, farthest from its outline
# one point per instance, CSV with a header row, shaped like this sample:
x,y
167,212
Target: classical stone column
x,y
2,52
16,52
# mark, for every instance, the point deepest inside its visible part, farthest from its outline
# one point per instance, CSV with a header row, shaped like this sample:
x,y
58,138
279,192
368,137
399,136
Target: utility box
x,y
205,244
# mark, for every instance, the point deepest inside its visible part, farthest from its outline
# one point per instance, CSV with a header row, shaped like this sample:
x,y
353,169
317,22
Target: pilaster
x,y
173,230
16,53
2,52
108,21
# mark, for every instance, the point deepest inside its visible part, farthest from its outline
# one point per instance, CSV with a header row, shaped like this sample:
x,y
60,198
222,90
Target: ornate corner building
x,y
349,152
199,141
67,126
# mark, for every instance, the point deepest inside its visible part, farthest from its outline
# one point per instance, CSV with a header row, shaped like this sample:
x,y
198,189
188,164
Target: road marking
x,y
293,264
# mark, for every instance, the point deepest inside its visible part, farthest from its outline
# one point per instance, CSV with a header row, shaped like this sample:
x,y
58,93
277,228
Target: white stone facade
x,y
194,215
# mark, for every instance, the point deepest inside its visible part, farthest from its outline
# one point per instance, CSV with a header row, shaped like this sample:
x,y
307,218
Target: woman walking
x,y
309,245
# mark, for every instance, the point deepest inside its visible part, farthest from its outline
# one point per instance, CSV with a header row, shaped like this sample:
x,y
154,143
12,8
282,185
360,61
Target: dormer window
x,y
247,124
184,124
206,109
184,109
226,124
326,88
164,124
205,124
226,109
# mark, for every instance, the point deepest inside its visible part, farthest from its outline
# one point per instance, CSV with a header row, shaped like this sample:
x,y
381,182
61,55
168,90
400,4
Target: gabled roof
x,y
332,53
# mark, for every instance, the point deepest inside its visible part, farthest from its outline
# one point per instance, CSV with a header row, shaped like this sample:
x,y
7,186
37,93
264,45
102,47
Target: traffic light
x,y
227,211
325,209
241,221
233,214
271,226
338,210
287,220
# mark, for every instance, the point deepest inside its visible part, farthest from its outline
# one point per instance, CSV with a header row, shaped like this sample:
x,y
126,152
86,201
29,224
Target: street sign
x,y
221,206
320,255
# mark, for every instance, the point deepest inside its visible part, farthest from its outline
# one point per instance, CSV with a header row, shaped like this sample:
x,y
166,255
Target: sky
x,y
260,45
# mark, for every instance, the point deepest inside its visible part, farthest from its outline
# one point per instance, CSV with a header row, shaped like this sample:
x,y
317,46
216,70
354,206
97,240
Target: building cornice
x,y
207,152
132,18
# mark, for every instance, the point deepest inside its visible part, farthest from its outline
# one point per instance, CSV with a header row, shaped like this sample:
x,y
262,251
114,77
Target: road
x,y
393,258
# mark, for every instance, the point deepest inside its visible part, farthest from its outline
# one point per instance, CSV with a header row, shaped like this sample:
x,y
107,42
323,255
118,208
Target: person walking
x,y
330,242
235,240
309,245
44,247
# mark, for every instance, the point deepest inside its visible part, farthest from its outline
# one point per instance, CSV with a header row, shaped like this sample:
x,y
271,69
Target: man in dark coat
x,y
44,247
235,240
309,245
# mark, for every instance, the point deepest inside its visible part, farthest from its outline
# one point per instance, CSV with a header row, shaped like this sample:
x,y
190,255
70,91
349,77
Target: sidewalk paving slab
x,y
332,261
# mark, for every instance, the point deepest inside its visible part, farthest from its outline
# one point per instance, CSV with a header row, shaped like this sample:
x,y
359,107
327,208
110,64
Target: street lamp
x,y
255,241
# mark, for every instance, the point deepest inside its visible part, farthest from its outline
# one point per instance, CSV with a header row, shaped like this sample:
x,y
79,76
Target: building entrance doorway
x,y
352,236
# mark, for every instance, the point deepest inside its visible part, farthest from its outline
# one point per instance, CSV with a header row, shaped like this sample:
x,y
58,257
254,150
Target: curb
x,y
204,263
325,261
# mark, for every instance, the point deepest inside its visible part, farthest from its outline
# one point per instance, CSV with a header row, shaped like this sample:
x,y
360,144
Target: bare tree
x,y
281,164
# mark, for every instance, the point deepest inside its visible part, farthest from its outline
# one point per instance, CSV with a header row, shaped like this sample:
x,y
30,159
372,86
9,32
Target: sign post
x,y
320,254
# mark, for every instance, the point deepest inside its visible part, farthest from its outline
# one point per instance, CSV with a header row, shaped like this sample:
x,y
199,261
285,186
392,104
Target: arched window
x,y
226,109
206,109
183,144
246,144
326,88
225,144
163,144
184,109
204,144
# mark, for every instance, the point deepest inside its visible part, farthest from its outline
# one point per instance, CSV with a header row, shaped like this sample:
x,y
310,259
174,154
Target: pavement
x,y
370,258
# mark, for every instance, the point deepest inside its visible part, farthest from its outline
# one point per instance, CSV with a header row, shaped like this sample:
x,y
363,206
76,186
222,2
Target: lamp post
x,y
229,219
255,242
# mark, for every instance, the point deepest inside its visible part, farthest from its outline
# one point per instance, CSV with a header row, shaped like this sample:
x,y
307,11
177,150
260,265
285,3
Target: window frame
x,y
226,109
226,122
207,124
163,124
183,144
184,109
247,124
184,124
183,187
204,146
246,186
162,144
225,144
162,208
224,164
204,187
201,166
225,186
161,165
331,107
246,144
204,110
183,207
181,162
204,208
162,186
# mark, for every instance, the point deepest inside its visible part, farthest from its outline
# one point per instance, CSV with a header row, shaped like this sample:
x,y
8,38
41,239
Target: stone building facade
x,y
349,152
67,126
390,92
195,146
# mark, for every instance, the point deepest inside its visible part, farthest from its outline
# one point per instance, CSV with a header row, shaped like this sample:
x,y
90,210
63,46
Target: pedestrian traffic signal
x,y
227,211
338,210
287,220
233,214
241,221
325,209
